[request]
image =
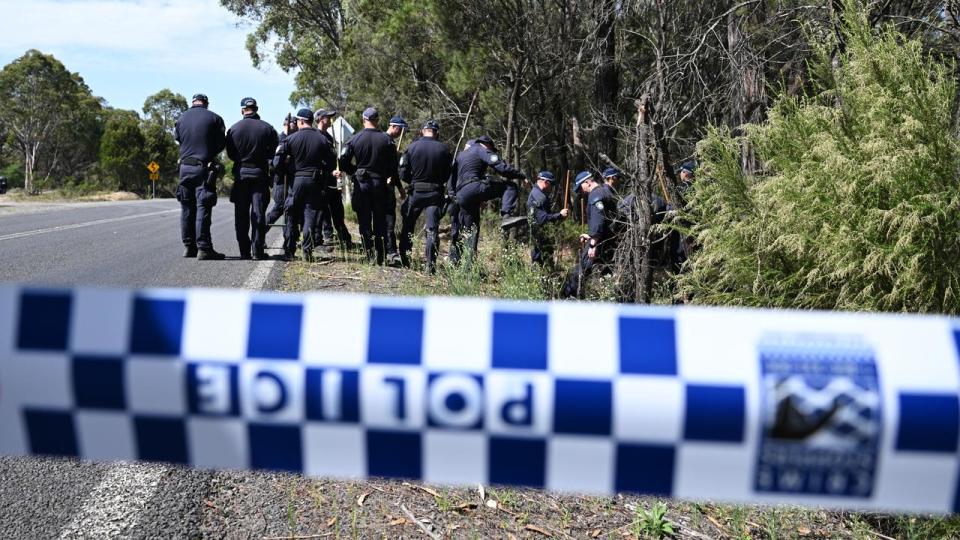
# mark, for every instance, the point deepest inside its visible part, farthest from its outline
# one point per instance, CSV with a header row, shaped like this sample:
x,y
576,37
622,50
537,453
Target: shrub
x,y
857,204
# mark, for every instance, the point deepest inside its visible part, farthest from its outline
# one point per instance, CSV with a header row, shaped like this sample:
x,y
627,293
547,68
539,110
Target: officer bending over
x,y
200,134
426,168
311,159
539,214
370,157
473,188
598,244
251,143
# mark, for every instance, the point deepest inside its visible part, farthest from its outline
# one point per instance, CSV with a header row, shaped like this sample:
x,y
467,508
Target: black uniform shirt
x,y
538,204
601,206
371,150
426,161
309,152
252,141
200,134
474,163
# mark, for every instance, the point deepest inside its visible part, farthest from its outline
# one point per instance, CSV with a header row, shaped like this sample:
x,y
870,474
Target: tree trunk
x,y
748,93
512,113
28,166
607,85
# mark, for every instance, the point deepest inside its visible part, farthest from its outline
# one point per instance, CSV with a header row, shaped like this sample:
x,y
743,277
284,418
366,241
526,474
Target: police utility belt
x,y
472,181
426,186
193,161
364,176
253,165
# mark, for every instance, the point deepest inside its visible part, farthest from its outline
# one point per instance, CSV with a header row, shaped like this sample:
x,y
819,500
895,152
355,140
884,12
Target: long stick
x,y
566,191
463,130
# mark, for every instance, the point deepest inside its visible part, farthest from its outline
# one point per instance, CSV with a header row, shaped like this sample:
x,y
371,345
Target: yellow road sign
x,y
153,167
154,177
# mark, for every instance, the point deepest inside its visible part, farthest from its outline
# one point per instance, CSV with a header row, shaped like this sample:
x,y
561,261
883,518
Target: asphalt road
x,y
123,244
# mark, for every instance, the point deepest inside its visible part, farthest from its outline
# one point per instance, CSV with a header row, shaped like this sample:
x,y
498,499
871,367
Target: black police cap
x,y
201,97
305,114
248,103
485,139
432,124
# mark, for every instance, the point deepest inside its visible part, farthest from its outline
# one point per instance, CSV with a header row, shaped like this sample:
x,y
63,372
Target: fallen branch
x,y
416,522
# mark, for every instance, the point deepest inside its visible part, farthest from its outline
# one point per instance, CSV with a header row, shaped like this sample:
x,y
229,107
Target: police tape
x,y
823,409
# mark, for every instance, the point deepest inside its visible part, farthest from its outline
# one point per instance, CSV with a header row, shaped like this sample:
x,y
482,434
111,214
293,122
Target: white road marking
x,y
113,505
84,224
258,278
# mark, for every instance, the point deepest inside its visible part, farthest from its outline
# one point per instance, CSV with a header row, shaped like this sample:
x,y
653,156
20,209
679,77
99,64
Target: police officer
x,y
539,214
473,188
200,133
3,185
453,208
598,242
311,160
396,129
280,171
331,214
370,157
426,168
251,144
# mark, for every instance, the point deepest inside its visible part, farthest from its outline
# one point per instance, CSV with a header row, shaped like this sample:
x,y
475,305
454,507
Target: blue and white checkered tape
x,y
824,409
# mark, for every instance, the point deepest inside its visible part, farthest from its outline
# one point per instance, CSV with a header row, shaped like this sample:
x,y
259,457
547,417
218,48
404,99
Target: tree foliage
x,y
123,154
856,205
164,109
51,116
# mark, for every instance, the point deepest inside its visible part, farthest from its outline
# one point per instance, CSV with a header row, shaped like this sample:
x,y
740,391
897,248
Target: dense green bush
x,y
857,206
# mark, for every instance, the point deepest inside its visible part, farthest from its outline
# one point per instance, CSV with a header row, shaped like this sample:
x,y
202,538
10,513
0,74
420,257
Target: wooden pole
x,y
566,191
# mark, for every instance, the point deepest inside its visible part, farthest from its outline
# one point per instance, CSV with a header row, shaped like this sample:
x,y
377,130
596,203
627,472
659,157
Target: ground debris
x,y
540,530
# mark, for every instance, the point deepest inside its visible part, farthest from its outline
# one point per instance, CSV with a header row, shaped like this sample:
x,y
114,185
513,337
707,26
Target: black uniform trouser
x,y
574,285
325,225
368,200
471,198
390,217
332,215
541,250
279,200
249,196
300,209
428,202
196,207
453,210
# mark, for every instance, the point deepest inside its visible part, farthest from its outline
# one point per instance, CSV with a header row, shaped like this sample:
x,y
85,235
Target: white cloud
x,y
189,34
128,49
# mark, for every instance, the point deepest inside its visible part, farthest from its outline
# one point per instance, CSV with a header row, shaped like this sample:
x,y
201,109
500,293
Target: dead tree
x,y
649,165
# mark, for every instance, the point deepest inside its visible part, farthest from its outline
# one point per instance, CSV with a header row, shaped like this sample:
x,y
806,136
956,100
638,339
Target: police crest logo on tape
x,y
821,416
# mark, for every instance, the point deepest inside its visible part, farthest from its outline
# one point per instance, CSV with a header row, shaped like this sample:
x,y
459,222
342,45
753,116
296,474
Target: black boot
x,y
189,252
210,255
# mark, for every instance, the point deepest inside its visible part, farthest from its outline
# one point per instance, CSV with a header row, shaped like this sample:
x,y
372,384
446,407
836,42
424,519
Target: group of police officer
x,y
308,174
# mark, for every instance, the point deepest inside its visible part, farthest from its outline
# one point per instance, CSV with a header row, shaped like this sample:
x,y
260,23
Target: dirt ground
x,y
394,509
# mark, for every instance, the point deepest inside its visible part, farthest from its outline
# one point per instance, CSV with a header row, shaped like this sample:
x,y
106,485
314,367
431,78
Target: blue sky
x,y
126,50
